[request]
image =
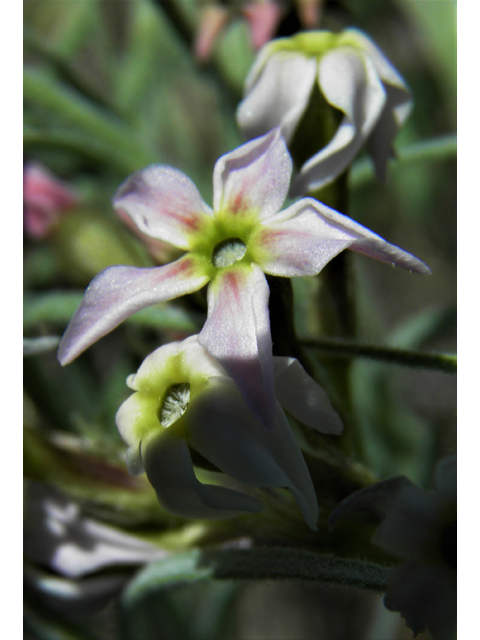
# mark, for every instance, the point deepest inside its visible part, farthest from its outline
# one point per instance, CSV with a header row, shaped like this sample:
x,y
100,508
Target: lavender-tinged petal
x,y
253,178
118,292
349,82
169,468
298,242
279,97
164,204
237,333
299,394
224,431
308,234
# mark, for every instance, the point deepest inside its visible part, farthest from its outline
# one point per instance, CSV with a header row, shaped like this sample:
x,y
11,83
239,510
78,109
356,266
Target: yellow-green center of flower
x,y
316,43
228,252
175,404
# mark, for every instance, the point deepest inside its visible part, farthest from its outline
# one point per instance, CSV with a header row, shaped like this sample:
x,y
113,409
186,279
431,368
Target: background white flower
x,y
352,75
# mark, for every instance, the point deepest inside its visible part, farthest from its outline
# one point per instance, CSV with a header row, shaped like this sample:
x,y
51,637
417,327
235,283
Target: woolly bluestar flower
x,y
184,401
352,75
420,528
230,247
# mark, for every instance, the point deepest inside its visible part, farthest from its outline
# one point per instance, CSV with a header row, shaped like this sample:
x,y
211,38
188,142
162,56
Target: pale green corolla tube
x,y
184,401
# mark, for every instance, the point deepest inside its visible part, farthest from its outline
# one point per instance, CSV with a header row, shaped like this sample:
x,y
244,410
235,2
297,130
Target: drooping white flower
x,y
352,75
185,401
231,247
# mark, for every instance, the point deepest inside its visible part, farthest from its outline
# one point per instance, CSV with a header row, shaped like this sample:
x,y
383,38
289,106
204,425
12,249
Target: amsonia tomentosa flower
x,y
230,247
351,74
185,401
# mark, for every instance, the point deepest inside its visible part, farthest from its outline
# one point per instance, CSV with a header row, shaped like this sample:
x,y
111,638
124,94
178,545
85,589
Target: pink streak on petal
x,y
163,203
303,238
117,293
255,176
237,333
263,19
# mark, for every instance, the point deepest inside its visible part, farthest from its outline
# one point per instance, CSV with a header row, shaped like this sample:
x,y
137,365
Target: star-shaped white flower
x,y
231,247
184,401
353,76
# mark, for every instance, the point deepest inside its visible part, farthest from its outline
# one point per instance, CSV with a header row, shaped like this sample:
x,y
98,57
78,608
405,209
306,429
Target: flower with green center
x,y
293,77
230,247
186,407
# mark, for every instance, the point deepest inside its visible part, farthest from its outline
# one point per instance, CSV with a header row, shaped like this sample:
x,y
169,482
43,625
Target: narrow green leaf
x,y
34,346
437,149
42,90
58,307
80,144
263,563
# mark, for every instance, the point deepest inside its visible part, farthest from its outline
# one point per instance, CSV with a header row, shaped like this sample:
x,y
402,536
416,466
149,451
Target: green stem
x,y
340,348
262,563
282,325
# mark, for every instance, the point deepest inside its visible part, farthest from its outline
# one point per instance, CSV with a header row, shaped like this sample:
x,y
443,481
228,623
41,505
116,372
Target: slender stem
x,y
340,348
262,563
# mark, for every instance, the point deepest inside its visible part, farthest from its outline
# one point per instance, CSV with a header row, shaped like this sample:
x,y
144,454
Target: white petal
x,y
379,144
118,292
299,394
164,204
82,596
279,97
349,82
298,242
237,333
169,468
384,67
307,235
58,536
224,431
254,177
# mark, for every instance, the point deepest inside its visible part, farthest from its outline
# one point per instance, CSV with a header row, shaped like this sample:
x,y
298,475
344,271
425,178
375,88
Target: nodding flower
x,y
346,71
185,402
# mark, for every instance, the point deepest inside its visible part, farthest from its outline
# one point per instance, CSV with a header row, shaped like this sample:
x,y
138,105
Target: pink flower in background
x,y
262,16
45,200
230,248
